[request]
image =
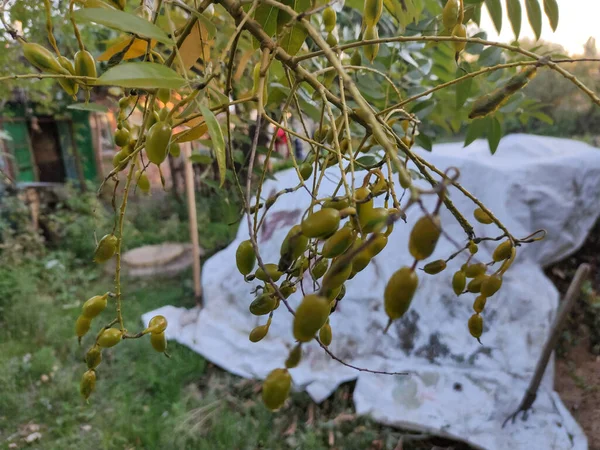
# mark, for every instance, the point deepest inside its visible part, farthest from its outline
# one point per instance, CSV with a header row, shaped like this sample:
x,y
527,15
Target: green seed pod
x,y
245,258
322,223
377,244
174,150
153,119
157,325
85,65
332,41
491,102
473,248
336,203
336,275
157,142
94,306
325,335
491,285
329,19
460,31
332,294
339,242
355,59
361,260
479,303
276,388
88,384
42,58
124,102
371,50
482,217
503,251
93,357
110,337
106,248
164,95
364,201
435,267
306,171
271,270
287,289
163,114
476,326
372,12
450,14
294,357
263,304
122,137
82,326
424,237
159,342
474,270
143,183
373,221
399,292
310,317
258,333
293,246
70,86
118,158
320,268
459,281
508,262
299,267
474,285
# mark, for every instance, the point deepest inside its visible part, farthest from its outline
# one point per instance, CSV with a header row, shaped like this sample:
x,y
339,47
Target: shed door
x,y
20,148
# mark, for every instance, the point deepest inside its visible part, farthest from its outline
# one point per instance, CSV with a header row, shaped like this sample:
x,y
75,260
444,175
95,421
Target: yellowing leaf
x,y
137,49
216,136
192,134
196,45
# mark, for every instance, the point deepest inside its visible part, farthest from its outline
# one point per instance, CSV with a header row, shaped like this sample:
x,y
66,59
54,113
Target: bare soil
x,y
578,363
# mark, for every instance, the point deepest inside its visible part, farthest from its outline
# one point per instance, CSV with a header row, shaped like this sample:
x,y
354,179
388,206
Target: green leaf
x,y
201,159
218,143
367,160
463,90
425,142
475,130
94,107
513,8
266,16
495,9
294,37
141,75
494,134
543,117
534,14
120,20
551,10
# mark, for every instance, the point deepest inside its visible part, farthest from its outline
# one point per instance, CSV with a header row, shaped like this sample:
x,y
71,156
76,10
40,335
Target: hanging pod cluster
x,y
84,65
371,14
329,246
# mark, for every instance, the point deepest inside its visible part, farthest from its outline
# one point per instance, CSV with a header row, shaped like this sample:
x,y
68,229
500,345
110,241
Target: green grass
x,y
144,400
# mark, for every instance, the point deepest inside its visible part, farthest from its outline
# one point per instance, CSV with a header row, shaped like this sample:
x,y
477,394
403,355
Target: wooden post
x,y
193,219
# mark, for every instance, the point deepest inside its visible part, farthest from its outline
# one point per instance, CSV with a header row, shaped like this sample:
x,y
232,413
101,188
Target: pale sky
x,y
578,20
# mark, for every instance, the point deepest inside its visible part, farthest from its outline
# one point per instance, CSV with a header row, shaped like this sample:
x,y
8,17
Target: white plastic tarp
x,y
457,387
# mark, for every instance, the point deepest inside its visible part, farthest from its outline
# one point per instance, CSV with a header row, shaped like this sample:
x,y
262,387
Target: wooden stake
x,y
193,219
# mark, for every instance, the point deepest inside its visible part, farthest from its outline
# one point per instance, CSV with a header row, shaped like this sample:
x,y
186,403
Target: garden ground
x,y
146,401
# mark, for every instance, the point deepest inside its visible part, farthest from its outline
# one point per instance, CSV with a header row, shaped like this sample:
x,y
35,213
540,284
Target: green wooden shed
x,y
69,146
